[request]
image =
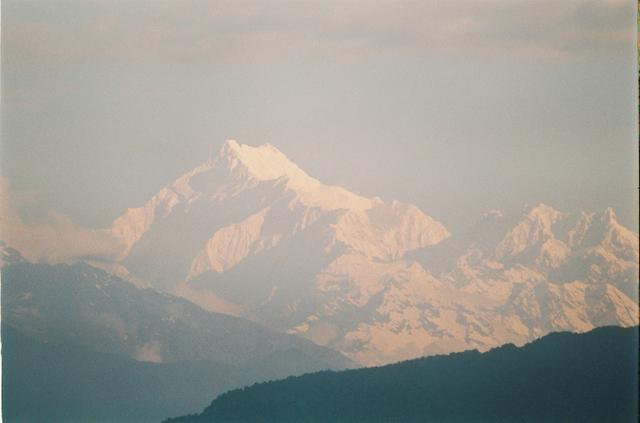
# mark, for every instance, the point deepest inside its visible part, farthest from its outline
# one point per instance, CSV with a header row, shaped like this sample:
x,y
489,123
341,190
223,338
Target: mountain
x,y
591,377
543,271
564,247
83,322
50,382
248,233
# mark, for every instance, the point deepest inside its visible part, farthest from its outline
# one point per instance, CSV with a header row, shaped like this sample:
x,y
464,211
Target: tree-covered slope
x,y
559,378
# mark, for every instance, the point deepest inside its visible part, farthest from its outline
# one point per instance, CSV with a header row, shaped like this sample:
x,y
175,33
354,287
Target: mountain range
x,y
250,234
246,269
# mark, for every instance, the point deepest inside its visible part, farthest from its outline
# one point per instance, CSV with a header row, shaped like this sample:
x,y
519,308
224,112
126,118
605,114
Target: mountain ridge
x,y
81,325
560,377
81,305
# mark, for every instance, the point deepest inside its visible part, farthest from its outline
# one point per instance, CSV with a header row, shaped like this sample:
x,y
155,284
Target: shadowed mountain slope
x,y
83,345
45,382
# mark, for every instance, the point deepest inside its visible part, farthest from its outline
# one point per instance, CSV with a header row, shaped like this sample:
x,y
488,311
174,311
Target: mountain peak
x,y
544,215
609,216
267,163
230,148
264,162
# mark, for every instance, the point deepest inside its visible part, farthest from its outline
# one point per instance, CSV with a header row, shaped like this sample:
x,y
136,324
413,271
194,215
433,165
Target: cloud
x,y
193,31
52,238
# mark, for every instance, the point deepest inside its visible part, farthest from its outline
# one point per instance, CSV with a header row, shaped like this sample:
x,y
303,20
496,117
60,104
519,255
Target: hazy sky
x,y
457,106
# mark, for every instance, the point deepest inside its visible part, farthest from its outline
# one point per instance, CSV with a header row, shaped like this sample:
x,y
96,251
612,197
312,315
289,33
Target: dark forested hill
x,y
560,378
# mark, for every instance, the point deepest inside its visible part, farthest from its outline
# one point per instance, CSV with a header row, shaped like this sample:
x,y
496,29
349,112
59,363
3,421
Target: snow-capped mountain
x,y
249,233
538,272
544,244
250,214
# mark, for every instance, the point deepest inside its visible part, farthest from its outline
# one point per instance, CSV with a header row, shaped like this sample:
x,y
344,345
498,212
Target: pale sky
x,y
456,106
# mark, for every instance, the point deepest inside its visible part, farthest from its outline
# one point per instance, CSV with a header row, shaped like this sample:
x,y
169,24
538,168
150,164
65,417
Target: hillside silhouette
x,y
591,377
